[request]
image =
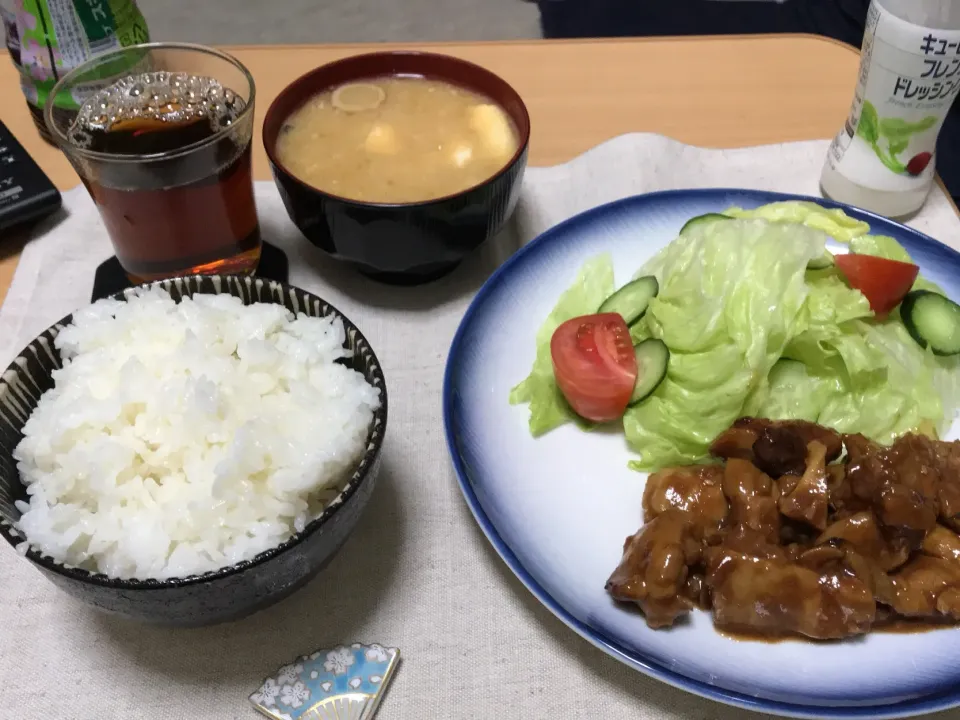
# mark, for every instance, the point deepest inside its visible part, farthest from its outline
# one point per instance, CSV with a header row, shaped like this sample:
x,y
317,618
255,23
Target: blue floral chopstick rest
x,y
345,683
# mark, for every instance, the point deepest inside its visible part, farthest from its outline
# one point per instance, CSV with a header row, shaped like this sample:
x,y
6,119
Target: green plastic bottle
x,y
48,38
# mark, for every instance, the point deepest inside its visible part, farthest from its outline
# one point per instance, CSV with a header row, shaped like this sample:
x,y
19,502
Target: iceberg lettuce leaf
x,y
548,408
834,222
863,375
731,295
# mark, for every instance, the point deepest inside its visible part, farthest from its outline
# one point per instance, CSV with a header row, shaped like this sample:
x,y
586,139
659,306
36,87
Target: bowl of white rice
x,y
190,451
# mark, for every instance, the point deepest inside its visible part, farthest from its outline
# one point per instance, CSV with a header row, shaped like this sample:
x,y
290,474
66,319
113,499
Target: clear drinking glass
x,y
161,140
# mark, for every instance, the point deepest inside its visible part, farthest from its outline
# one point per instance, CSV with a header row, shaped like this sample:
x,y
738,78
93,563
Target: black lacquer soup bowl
x,y
402,243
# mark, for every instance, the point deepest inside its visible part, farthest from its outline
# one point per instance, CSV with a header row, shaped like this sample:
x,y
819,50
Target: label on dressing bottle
x,y
909,78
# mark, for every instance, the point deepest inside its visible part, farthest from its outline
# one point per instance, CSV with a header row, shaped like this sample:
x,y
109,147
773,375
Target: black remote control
x,y
26,193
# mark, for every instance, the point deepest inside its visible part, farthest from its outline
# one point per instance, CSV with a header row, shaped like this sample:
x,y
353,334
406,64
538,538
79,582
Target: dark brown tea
x,y
175,193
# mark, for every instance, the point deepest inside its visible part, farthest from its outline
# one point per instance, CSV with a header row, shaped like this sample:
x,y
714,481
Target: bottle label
x,y
10,30
51,37
909,78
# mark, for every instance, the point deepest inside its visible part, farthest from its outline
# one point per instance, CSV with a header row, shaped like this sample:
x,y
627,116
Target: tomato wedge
x,y
883,282
594,364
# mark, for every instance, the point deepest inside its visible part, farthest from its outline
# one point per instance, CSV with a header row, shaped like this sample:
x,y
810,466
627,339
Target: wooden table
x,y
711,91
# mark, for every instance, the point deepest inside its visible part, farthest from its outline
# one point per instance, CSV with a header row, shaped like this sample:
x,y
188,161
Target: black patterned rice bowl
x,y
230,592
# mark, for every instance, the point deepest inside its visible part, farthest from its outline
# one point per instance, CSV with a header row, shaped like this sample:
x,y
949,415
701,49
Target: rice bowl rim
x,y
187,286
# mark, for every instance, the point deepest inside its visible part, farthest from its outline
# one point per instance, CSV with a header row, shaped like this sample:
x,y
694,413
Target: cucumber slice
x,y
702,220
821,263
632,299
652,359
932,320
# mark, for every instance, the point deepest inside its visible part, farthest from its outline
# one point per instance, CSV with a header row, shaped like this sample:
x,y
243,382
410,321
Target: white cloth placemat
x,y
417,574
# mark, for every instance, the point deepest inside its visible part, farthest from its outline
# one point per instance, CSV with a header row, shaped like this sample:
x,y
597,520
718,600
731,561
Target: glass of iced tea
x,y
162,141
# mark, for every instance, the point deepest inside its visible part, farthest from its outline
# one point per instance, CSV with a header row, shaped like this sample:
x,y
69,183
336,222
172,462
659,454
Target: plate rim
x,y
907,708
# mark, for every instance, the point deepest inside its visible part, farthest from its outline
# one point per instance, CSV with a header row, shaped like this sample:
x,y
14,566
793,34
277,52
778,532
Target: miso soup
x,y
396,140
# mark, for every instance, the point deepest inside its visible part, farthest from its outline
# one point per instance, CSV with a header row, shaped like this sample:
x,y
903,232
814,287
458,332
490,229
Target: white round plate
x,y
558,508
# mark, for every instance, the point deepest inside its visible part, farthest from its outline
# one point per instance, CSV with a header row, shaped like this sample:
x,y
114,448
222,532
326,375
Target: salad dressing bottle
x,y
883,159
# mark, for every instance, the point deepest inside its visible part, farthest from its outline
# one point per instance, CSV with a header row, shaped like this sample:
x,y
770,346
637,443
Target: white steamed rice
x,y
181,438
